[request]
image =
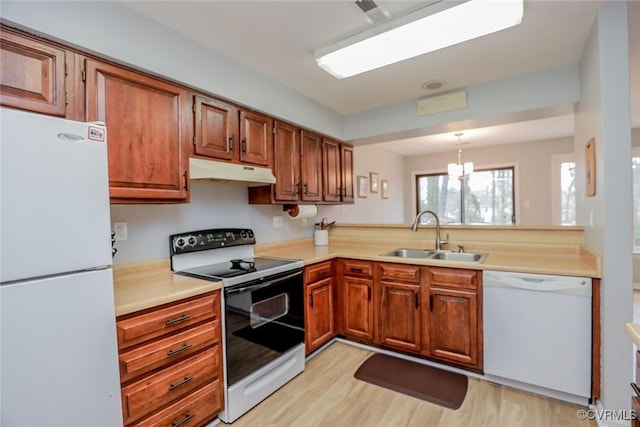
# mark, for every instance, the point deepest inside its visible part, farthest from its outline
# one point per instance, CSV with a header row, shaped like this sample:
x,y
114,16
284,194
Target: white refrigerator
x,y
58,347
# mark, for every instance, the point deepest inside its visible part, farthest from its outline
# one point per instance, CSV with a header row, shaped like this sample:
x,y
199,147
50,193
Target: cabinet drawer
x,y
404,273
138,328
354,267
316,272
174,348
192,410
152,392
453,278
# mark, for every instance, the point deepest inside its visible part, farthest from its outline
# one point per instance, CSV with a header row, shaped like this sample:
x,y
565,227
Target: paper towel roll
x,y
302,211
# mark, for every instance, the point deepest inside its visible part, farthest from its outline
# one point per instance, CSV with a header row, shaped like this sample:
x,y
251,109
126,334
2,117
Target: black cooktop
x,y
238,267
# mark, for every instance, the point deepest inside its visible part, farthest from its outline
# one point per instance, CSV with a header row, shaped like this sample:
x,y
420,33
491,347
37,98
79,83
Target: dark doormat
x,y
434,385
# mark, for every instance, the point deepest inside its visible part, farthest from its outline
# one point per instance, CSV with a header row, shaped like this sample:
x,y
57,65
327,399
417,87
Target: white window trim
x,y
516,184
635,152
556,193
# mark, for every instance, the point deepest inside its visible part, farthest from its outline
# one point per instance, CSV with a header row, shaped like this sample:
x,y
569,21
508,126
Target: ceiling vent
x,y
375,14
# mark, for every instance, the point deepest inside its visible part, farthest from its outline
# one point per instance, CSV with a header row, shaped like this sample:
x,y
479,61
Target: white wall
x,y
373,209
603,113
220,206
533,173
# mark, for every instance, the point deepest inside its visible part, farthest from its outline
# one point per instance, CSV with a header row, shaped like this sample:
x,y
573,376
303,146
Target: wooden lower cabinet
x,y
454,313
356,299
453,325
400,324
357,313
171,363
399,310
319,303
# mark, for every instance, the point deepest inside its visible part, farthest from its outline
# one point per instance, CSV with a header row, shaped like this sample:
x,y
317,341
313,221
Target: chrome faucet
x,y
439,241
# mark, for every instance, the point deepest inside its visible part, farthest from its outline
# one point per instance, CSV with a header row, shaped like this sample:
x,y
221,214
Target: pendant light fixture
x,y
459,170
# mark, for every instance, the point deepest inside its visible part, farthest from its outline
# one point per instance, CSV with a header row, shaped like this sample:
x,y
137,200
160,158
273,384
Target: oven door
x,y
264,318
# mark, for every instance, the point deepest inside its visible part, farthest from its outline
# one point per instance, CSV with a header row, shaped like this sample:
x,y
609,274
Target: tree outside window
x,y
484,197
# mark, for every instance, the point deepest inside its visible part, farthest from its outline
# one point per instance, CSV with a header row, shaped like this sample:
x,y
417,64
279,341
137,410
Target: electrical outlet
x,y
277,222
120,228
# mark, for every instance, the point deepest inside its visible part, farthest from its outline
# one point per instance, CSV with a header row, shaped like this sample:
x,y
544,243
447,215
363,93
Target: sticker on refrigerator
x,y
96,133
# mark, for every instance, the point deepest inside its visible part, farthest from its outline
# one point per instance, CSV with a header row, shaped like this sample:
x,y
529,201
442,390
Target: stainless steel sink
x,y
459,256
409,253
437,255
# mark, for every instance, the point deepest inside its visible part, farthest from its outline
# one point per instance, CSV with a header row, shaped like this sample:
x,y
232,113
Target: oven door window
x,y
262,322
268,310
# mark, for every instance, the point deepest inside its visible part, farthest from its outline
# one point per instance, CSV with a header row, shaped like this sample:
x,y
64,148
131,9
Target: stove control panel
x,y
215,238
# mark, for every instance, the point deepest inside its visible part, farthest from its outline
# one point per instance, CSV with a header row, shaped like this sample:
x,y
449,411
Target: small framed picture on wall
x,y
384,188
373,178
363,186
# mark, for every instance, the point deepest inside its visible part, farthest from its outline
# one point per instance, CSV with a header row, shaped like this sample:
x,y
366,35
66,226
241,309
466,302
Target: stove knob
x,y
243,234
250,234
192,240
180,243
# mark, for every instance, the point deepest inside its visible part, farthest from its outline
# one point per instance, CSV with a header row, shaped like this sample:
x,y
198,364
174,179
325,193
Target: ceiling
x,y
278,39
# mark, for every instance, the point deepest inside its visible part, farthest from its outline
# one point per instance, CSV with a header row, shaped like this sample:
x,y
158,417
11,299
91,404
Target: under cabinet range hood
x,y
230,173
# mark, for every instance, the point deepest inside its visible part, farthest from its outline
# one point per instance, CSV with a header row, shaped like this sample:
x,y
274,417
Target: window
x,y
564,189
485,197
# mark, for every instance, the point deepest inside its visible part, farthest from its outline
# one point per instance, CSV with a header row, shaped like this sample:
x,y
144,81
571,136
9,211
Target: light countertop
x,y
143,285
526,260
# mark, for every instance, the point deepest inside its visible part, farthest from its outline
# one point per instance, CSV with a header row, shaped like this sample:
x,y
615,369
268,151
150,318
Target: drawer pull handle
x,y
355,270
182,421
177,320
183,382
178,350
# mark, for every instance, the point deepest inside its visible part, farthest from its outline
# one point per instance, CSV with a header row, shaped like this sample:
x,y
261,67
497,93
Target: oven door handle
x,y
230,291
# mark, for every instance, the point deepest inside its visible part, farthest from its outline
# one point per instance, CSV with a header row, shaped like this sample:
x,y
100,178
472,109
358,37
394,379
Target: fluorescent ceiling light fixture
x,y
426,30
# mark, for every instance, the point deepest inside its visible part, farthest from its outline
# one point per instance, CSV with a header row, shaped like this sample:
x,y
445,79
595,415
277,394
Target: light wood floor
x,y
327,394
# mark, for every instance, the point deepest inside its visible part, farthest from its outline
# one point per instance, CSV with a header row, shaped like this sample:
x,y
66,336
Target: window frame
x,y
515,186
635,152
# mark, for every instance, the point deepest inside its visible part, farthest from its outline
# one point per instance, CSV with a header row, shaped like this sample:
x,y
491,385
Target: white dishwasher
x,y
537,333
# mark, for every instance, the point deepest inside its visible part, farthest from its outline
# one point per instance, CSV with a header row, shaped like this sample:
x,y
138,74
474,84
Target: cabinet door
x,y
453,325
286,151
358,307
320,327
331,170
146,124
216,127
255,138
32,75
400,315
346,159
311,166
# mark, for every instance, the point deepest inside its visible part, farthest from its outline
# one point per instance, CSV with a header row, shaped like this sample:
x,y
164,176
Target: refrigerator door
x,y
58,353
54,211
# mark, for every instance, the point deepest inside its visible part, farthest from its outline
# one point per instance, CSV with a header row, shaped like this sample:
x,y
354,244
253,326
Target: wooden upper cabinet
x,y
346,169
32,75
332,174
256,133
311,167
216,128
286,153
147,129
225,132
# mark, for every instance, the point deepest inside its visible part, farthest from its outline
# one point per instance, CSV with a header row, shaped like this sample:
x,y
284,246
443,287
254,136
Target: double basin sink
x,y
437,255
